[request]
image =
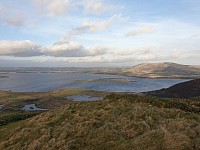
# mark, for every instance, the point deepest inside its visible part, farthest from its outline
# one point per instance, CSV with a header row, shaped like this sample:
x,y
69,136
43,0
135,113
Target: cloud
x,y
194,37
11,17
53,7
75,52
99,50
72,49
27,48
15,20
2,10
60,7
178,54
96,6
140,31
65,49
92,27
24,48
112,55
117,58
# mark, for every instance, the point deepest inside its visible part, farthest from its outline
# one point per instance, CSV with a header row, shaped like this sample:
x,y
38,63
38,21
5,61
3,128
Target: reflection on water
x,y
32,107
83,98
28,82
2,106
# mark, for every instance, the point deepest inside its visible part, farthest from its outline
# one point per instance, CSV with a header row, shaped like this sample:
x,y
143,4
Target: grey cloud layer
x,y
19,48
62,49
27,48
74,52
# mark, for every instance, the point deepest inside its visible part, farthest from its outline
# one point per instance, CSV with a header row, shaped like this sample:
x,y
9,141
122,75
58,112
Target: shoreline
x,y
106,80
108,72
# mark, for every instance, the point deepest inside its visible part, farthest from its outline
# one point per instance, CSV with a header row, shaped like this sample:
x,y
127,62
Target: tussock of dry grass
x,y
118,123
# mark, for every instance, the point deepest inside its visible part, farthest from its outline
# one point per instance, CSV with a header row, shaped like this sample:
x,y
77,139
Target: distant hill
x,y
181,90
154,70
145,70
163,70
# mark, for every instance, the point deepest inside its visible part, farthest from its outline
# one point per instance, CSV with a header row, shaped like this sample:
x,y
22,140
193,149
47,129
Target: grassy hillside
x,y
181,90
13,101
120,122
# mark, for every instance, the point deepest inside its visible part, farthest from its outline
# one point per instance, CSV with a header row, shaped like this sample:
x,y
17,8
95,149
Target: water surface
x,y
84,98
2,106
32,107
38,82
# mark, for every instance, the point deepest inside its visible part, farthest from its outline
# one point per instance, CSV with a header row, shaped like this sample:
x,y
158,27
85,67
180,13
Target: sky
x,y
98,33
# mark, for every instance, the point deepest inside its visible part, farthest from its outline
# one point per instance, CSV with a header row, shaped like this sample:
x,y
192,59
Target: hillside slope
x,y
181,90
163,70
120,122
153,70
